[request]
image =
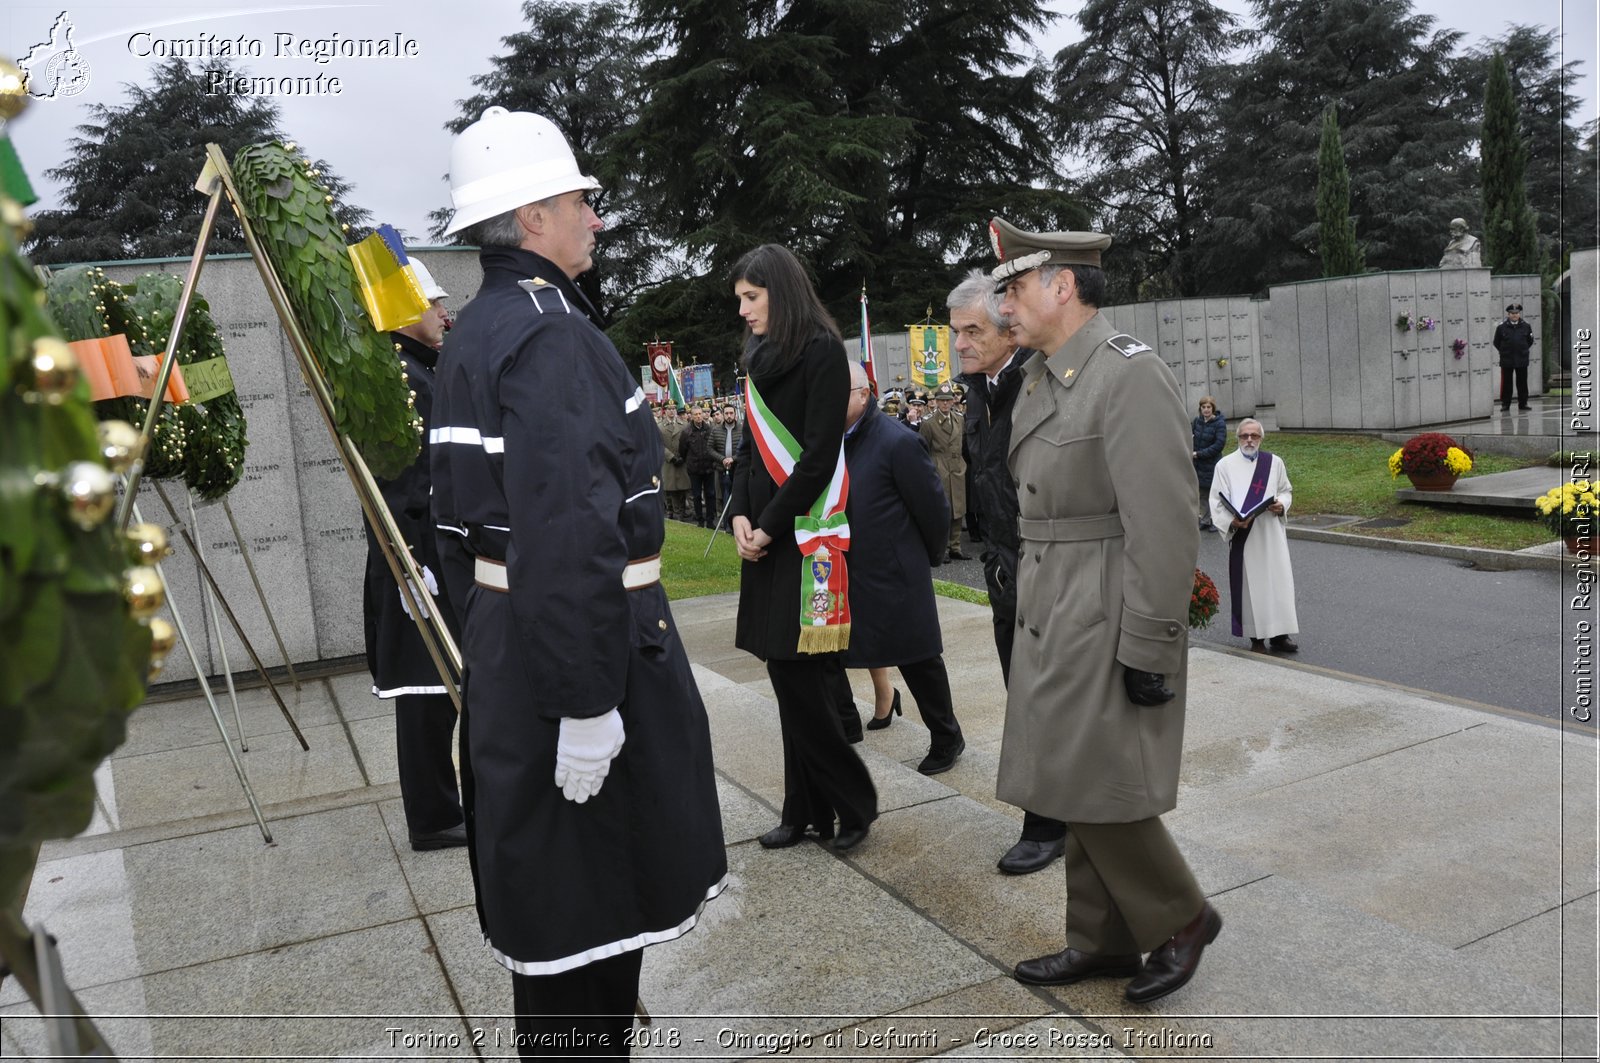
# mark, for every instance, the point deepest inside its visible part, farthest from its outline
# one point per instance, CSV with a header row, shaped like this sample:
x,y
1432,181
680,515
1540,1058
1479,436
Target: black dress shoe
x,y
878,723
450,838
1524,409
1170,967
957,555
1027,856
848,838
782,836
1284,644
1070,965
941,760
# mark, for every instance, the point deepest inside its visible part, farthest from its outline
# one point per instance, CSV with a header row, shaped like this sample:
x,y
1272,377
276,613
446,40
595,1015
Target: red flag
x,y
660,357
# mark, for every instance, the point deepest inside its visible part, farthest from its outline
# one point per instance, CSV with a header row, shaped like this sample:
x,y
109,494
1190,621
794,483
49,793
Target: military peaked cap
x,y
1020,251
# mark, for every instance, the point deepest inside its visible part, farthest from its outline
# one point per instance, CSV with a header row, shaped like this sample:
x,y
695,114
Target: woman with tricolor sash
x,y
790,487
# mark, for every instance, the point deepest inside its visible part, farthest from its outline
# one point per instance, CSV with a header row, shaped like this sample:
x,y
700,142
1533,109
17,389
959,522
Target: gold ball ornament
x,y
13,90
90,493
162,638
120,444
55,372
147,544
143,590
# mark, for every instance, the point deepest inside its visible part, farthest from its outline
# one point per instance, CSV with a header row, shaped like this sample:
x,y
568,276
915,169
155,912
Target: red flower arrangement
x,y
1203,600
1430,453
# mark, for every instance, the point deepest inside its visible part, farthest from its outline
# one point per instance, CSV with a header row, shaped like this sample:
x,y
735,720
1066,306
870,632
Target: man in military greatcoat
x,y
943,432
674,473
592,815
1095,709
1513,339
402,671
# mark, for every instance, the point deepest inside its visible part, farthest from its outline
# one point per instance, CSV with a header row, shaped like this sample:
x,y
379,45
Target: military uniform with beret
x,y
943,432
1099,453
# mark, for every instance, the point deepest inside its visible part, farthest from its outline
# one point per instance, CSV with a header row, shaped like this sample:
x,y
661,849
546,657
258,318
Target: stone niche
x,y
1340,358
1211,346
294,505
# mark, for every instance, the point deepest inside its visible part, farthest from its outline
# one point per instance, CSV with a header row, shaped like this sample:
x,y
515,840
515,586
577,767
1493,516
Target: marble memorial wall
x,y
1211,346
1341,359
294,504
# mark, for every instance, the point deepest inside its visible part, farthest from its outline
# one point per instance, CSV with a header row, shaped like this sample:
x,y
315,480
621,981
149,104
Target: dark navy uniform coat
x,y
899,524
396,654
545,456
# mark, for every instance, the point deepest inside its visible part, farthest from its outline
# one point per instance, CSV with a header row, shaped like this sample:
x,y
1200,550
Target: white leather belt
x,y
640,573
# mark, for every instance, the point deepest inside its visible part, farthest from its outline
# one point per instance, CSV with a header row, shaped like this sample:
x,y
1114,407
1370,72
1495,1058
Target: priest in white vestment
x,y
1250,501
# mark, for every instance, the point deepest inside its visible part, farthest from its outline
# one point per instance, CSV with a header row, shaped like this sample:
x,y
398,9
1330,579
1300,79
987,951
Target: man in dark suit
x,y
899,522
991,367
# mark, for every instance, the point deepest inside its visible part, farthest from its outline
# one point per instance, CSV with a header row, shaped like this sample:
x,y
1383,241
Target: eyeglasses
x,y
1249,435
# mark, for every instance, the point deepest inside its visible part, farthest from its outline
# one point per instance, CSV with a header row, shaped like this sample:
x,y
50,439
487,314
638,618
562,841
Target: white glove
x,y
429,582
584,753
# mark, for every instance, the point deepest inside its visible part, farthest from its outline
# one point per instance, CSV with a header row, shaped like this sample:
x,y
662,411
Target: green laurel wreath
x,y
72,659
87,305
214,445
293,216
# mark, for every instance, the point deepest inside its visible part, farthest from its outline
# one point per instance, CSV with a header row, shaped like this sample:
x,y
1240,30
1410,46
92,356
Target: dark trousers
x,y
703,489
929,684
822,776
583,1013
1035,828
424,732
1519,377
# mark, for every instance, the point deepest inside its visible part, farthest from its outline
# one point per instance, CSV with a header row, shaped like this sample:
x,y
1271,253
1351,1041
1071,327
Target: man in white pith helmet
x,y
402,671
585,752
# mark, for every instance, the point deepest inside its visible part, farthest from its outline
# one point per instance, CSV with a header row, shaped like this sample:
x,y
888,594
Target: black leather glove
x,y
1146,688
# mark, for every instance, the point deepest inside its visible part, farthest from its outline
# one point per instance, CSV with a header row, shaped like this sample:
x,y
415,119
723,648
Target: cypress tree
x,y
1341,256
1510,241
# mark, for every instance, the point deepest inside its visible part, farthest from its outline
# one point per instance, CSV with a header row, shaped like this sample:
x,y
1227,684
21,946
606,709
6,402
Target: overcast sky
x,y
384,132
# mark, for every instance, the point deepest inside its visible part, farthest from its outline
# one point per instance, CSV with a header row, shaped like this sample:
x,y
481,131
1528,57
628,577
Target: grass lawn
x,y
685,574
1349,475
1335,474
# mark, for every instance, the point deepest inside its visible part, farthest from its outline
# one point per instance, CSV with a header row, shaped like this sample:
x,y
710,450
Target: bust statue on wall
x,y
1464,251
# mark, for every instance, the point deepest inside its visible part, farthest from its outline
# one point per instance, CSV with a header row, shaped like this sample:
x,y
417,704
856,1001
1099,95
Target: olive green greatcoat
x,y
1100,450
674,477
943,433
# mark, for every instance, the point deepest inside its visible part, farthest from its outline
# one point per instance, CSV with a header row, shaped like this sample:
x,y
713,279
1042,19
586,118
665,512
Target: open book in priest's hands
x,y
1243,512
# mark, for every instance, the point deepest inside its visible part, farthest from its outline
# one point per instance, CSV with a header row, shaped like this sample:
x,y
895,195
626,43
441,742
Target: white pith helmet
x,y
430,287
506,159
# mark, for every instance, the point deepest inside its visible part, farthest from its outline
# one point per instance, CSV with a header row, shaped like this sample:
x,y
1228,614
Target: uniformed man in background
x,y
1095,708
943,432
402,671
592,814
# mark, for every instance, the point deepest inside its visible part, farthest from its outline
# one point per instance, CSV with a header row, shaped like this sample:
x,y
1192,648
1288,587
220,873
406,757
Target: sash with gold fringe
x,y
822,534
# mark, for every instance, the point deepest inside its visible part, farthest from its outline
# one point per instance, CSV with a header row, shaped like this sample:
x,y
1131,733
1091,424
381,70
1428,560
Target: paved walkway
x,y
1402,877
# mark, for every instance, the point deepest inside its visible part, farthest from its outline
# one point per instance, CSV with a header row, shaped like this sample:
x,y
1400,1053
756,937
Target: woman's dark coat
x,y
809,399
1209,439
899,525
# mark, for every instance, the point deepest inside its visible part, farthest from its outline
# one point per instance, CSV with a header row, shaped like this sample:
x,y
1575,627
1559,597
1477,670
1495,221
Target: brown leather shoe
x,y
1170,967
1259,646
1284,644
1069,966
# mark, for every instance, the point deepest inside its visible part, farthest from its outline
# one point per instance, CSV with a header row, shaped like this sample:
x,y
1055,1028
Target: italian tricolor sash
x,y
822,534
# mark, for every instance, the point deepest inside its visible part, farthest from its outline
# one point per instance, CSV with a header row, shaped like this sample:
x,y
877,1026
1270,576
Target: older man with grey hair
x,y
991,368
1250,502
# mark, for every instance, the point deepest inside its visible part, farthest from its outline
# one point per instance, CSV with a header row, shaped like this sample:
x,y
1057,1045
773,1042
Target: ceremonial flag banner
x,y
659,355
822,534
930,354
675,389
866,345
389,290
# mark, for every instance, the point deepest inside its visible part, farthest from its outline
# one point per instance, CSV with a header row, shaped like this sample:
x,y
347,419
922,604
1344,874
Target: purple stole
x,y
1256,492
